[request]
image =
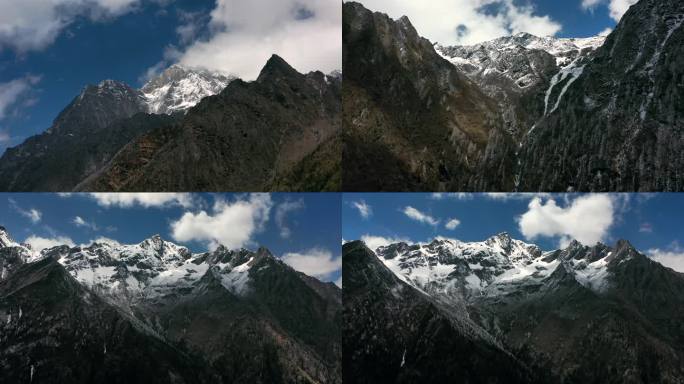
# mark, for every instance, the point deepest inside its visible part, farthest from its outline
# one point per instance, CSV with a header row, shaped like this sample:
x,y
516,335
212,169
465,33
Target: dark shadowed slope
x,y
250,137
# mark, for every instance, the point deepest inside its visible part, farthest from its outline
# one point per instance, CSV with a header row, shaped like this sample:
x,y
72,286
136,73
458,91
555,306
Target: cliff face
x,y
409,115
517,113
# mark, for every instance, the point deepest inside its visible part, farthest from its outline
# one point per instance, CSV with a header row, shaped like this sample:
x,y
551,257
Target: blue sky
x,y
305,228
652,223
50,50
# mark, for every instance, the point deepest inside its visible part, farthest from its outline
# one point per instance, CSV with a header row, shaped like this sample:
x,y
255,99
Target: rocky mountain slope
x,y
619,126
393,333
247,138
155,312
521,71
560,313
594,114
409,115
111,127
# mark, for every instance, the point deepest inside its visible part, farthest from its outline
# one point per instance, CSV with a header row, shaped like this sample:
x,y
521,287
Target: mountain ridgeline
x,y
519,113
154,312
189,130
503,311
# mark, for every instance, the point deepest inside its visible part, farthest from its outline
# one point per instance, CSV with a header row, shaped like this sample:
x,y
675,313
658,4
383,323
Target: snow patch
x,y
237,279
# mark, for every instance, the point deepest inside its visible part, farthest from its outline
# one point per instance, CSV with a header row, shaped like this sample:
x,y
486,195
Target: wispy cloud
x,y
419,216
80,222
32,214
364,209
282,211
452,224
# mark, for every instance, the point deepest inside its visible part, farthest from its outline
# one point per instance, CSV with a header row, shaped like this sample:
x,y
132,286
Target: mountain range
x,y
154,312
518,113
505,311
189,129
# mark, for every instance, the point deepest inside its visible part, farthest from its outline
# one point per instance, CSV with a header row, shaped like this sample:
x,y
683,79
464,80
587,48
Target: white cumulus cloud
x,y
38,243
617,8
146,200
316,262
419,216
586,219
306,33
27,25
230,223
468,21
670,258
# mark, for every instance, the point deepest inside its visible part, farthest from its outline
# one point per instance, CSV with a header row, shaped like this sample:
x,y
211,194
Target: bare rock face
x,y
517,113
410,116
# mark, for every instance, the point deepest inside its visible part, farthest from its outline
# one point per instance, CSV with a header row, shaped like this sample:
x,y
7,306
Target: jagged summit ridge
x,y
176,89
517,57
151,269
499,265
179,88
5,239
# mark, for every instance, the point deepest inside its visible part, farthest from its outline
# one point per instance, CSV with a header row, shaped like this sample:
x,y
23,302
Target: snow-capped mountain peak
x,y
6,239
179,88
517,57
152,269
13,254
500,265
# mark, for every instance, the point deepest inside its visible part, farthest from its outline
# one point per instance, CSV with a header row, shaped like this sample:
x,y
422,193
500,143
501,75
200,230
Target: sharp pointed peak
x,y
502,237
154,239
574,244
276,66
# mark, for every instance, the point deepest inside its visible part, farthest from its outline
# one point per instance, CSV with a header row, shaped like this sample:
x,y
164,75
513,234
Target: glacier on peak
x,y
179,87
453,270
129,273
515,56
176,89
